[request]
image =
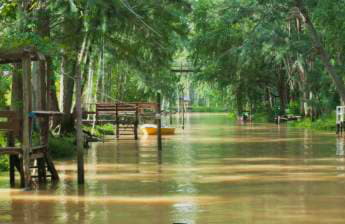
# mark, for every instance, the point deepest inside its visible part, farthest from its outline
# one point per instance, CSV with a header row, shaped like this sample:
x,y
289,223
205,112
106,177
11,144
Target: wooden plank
x,y
11,150
88,112
37,156
47,113
15,55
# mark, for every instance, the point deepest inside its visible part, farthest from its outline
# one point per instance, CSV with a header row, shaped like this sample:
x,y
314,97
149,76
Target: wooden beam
x,y
16,55
11,151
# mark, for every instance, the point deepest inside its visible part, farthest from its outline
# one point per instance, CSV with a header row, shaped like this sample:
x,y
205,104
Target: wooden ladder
x,y
127,120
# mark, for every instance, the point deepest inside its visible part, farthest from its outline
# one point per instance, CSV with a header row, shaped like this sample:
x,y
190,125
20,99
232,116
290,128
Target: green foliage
x,y
4,161
14,39
265,60
294,108
208,109
107,129
325,123
100,130
262,117
62,147
233,116
4,88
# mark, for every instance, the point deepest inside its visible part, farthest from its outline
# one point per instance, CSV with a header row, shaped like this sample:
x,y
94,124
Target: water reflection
x,y
340,146
214,171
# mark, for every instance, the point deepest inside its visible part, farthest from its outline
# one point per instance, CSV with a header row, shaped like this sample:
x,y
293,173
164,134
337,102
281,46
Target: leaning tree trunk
x,y
43,29
302,13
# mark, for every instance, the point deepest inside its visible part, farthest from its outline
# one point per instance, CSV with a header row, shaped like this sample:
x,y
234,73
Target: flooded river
x,y
214,171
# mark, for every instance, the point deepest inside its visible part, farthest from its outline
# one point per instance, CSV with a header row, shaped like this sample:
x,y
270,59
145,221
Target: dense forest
x,y
172,111
266,57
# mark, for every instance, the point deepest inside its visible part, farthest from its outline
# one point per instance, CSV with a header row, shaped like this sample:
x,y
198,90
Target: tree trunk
x,y
79,132
324,56
304,89
68,71
43,29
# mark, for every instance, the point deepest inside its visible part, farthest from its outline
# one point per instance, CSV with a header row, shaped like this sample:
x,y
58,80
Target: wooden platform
x,y
125,115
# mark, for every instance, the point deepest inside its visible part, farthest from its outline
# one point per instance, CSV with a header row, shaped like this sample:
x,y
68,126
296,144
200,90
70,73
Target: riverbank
x,y
324,123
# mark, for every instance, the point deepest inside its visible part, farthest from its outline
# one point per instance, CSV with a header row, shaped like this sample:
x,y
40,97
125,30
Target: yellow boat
x,y
153,131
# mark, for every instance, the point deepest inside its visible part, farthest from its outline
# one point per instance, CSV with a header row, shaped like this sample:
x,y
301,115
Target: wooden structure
x,y
125,115
340,120
285,118
28,155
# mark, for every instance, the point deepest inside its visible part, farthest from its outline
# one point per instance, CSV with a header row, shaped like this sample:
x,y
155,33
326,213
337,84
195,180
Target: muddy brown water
x,y
215,171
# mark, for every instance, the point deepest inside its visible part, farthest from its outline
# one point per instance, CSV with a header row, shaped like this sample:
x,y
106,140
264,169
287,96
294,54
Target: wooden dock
x,y
125,116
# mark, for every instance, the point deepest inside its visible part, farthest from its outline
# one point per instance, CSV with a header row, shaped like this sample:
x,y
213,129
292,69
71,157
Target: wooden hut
x,y
29,156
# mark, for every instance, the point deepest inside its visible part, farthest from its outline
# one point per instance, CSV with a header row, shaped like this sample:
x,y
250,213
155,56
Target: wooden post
x,y
182,104
26,144
11,142
136,122
12,171
44,124
18,163
117,121
183,112
170,113
80,145
159,123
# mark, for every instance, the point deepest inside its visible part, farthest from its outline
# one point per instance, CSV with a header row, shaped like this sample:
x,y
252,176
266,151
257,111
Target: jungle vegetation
x,y
266,57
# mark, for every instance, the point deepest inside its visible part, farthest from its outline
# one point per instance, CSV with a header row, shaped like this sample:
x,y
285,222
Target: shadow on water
x,y
214,171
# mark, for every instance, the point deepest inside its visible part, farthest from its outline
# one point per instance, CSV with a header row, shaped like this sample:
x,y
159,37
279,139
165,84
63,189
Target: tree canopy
x,y
263,56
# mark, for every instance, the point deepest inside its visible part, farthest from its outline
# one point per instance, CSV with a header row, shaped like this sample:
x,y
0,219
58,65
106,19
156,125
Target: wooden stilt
x,y
18,163
41,170
159,123
10,143
136,122
340,129
51,167
12,171
183,112
117,122
20,123
170,113
26,144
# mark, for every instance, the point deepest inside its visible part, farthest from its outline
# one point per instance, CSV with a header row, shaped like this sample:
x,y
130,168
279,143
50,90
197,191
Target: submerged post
x,y
170,113
159,123
80,146
26,63
182,105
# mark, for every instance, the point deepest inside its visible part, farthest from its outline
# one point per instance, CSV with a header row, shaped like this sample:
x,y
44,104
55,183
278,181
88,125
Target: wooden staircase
x,y
127,120
124,115
40,167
